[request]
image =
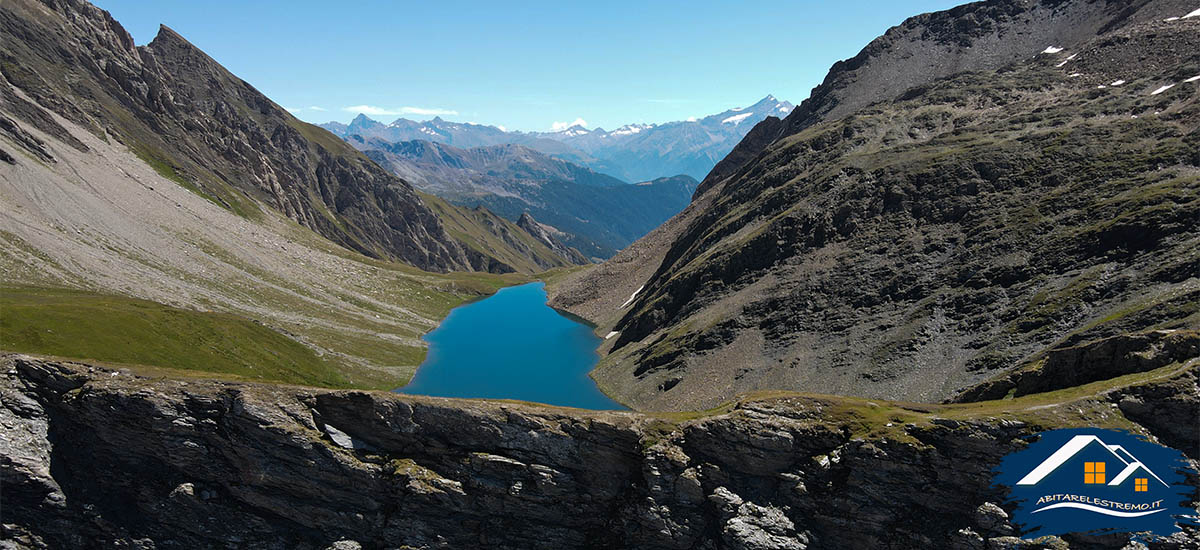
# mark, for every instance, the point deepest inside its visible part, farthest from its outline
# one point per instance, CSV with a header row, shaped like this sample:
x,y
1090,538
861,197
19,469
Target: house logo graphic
x,y
1092,480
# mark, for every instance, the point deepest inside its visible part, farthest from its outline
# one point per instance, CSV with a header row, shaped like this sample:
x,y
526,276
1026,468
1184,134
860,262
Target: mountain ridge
x,y
595,213
632,152
973,36
211,130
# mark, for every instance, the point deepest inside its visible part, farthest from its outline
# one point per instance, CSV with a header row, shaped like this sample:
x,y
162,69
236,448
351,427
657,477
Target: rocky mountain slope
x,y
971,37
110,254
592,212
197,124
633,152
100,458
111,227
551,237
908,248
524,245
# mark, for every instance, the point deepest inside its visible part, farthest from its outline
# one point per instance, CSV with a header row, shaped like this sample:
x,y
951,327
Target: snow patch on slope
x,y
736,119
632,296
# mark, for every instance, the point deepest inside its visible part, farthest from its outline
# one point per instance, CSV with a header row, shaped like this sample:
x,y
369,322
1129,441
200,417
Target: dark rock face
x,y
1077,365
96,458
197,123
923,244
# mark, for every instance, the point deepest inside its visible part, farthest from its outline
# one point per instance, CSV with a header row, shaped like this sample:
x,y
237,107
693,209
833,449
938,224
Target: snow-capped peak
x,y
575,130
629,129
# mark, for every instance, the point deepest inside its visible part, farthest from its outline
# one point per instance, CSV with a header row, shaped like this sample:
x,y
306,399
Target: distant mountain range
x,y
633,152
592,212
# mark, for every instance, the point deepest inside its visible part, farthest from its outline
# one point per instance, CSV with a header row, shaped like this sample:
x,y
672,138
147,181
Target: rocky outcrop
x,y
1100,360
100,458
200,125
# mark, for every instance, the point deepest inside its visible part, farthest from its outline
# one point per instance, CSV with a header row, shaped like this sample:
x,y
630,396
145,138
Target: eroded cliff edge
x,y
95,457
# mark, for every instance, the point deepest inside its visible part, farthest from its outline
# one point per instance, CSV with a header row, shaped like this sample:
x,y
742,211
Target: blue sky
x,y
523,65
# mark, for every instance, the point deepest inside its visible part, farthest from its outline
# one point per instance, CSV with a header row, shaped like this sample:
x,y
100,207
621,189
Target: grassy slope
x,y
85,325
875,419
346,334
473,228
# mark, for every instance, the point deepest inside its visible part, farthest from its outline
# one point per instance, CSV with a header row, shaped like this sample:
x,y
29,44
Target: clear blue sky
x,y
523,65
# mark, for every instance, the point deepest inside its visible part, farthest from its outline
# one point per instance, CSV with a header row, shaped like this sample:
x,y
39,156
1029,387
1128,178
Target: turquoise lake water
x,y
511,345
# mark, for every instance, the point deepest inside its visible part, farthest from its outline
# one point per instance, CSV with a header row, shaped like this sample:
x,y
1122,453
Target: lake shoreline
x,y
512,345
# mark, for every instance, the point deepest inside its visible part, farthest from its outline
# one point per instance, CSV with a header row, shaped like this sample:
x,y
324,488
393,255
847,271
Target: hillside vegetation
x,y
920,245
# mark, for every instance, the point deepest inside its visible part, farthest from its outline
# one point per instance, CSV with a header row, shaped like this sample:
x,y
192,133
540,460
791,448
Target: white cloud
x,y
302,109
423,111
381,111
560,126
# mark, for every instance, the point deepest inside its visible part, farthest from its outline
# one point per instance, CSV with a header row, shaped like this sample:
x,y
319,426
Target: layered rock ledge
x,y
96,457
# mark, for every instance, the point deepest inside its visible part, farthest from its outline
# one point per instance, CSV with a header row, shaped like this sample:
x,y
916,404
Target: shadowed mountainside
x,y
915,246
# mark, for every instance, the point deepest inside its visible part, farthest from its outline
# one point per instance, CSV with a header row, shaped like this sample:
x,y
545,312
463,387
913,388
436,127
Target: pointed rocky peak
x,y
771,105
174,46
362,122
576,130
167,34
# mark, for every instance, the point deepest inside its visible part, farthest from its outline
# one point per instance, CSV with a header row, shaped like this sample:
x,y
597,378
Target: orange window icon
x,y
1141,485
1093,473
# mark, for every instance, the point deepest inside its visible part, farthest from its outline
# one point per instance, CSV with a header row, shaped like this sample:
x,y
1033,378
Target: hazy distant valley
x,y
571,180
